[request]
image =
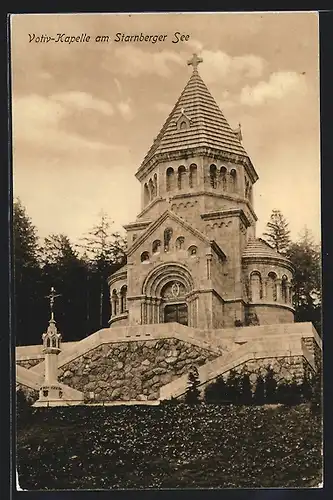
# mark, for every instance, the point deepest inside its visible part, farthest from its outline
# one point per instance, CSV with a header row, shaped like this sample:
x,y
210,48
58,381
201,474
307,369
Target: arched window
x,y
151,189
193,180
181,177
183,124
114,302
54,342
167,238
271,287
223,178
146,194
250,193
180,241
170,179
155,184
145,257
48,342
284,289
123,299
192,251
134,237
233,180
156,248
255,286
213,176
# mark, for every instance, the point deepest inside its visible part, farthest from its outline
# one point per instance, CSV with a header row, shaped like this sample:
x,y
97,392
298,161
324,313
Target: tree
x,y
259,392
270,386
192,395
233,386
277,233
27,277
67,272
246,390
306,258
106,252
216,392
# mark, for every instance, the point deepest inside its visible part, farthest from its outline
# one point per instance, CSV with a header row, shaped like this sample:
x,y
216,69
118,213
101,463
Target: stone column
x,y
278,284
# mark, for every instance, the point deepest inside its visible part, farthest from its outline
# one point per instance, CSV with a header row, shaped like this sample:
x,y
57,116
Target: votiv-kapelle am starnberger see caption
x,y
176,37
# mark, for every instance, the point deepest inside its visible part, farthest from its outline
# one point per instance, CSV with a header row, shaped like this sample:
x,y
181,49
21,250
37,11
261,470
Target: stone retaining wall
x,y
132,370
29,363
31,395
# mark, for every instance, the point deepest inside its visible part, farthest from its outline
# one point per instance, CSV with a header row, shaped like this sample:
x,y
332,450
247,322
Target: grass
x,y
169,446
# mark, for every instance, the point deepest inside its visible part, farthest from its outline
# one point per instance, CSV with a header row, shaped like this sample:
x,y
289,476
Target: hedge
x,y
169,446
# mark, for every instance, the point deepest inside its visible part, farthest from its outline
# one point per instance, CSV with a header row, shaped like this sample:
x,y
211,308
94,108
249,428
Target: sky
x,y
85,113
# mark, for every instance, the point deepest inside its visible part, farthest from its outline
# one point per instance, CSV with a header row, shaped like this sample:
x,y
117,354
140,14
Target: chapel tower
x,y
197,226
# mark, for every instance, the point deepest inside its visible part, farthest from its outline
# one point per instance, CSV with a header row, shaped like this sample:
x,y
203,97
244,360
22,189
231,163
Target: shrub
x,y
192,395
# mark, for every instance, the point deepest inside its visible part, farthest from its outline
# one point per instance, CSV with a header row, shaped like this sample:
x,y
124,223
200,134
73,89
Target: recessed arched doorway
x,y
168,296
173,299
176,313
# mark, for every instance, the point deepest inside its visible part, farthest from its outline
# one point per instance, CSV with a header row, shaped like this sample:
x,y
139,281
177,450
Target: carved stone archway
x,y
168,292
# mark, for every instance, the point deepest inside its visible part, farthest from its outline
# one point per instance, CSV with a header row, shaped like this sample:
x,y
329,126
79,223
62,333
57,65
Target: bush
x,y
172,446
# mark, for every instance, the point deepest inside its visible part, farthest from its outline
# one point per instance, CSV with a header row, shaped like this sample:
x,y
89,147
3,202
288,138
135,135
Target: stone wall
x,y
314,349
133,370
272,314
29,363
31,395
285,369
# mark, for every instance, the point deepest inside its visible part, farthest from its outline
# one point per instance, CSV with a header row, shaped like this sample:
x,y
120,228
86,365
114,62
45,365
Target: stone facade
x,y
196,230
132,370
29,363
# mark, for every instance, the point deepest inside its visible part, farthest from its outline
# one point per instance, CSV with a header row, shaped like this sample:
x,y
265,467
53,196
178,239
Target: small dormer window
x,y
183,121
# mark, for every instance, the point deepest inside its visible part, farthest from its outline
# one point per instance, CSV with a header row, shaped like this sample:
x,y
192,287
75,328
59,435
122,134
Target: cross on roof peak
x,y
194,61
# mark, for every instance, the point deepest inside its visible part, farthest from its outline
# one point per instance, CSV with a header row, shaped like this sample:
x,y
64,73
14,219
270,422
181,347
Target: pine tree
x,y
67,272
270,386
233,383
27,278
259,392
245,389
277,233
106,251
192,395
216,392
306,258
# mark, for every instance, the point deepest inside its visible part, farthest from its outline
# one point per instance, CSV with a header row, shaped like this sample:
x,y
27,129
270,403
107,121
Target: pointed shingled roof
x,y
208,126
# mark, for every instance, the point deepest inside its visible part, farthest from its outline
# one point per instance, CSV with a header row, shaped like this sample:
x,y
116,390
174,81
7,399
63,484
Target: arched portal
x,y
168,296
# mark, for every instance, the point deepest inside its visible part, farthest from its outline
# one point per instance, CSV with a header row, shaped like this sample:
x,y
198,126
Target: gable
x,y
179,229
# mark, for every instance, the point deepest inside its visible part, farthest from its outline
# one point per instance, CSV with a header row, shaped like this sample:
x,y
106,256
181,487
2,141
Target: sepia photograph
x,y
167,316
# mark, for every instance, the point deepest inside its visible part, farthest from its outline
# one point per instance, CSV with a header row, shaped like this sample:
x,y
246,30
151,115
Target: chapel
x,y
193,256
199,290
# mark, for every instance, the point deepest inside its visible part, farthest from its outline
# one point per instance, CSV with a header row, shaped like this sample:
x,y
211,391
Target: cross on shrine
x,y
194,61
52,296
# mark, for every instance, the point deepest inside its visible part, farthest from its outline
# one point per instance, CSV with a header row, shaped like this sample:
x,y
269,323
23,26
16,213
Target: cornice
x,y
137,225
231,212
116,277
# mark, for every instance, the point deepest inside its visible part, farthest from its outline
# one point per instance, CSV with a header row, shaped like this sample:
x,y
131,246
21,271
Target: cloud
x,y
82,100
223,67
134,61
125,109
278,86
37,120
163,107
